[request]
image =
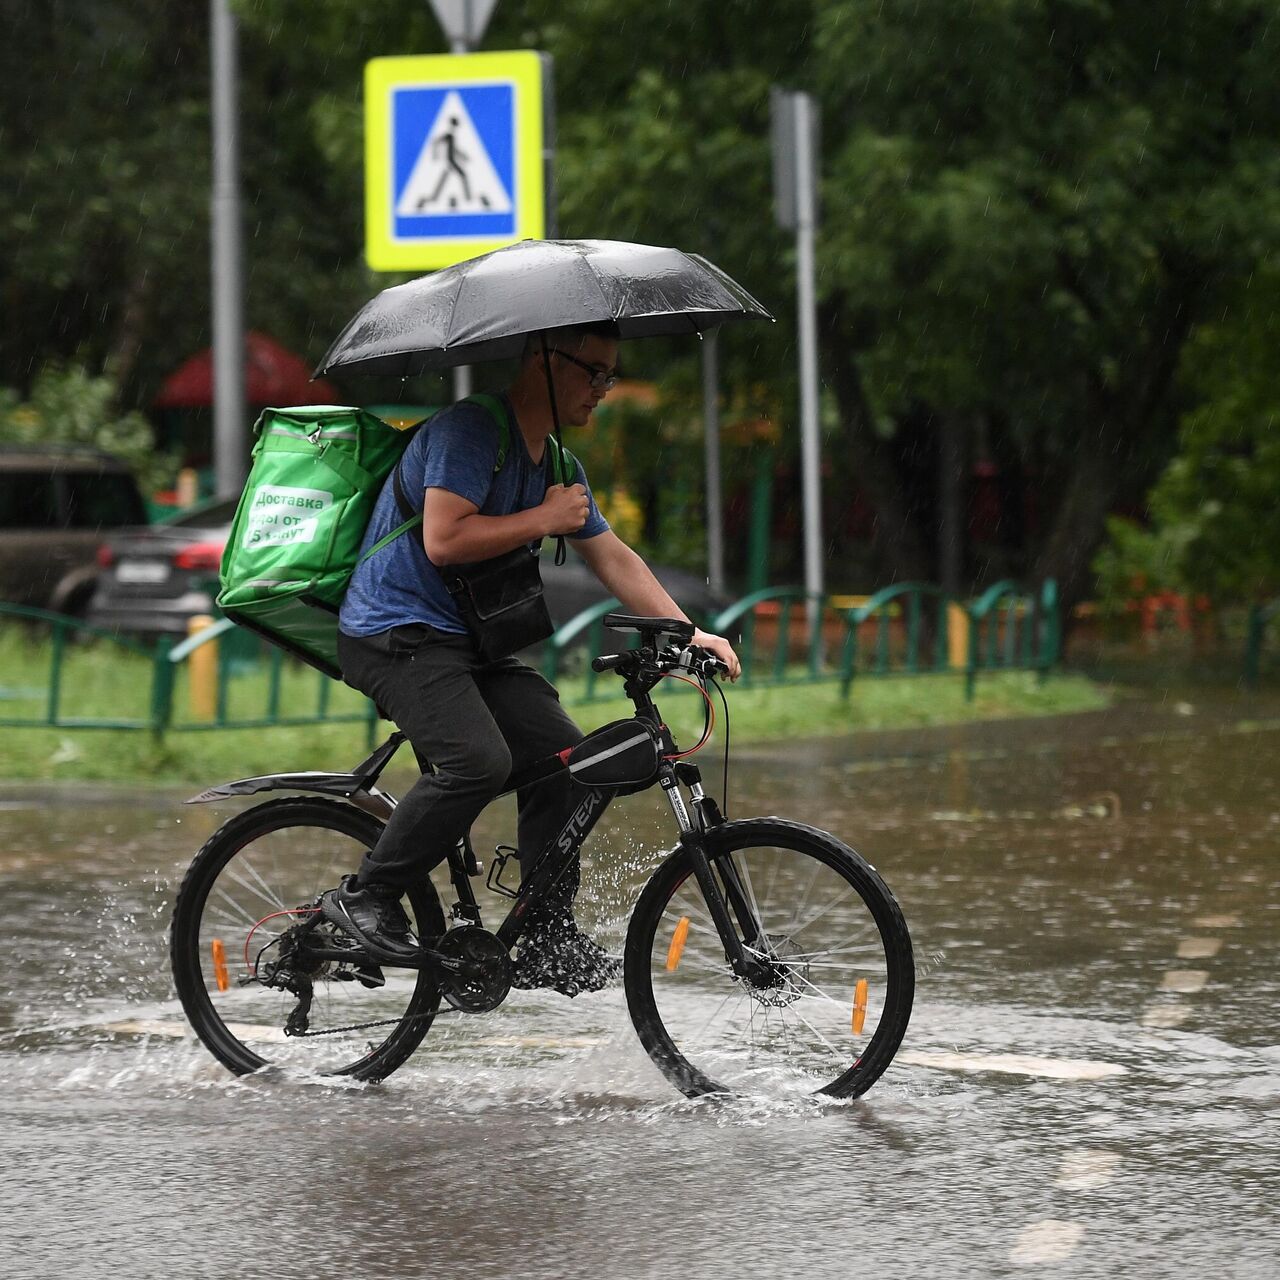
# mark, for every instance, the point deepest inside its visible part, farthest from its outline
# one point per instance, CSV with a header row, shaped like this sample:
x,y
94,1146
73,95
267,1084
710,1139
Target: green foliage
x,y
1136,561
1223,487
70,406
1224,481
1022,185
1215,521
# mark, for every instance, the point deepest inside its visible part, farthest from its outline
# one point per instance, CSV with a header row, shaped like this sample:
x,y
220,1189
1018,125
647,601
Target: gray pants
x,y
475,722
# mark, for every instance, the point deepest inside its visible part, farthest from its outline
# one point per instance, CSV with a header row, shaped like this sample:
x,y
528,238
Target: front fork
x,y
719,900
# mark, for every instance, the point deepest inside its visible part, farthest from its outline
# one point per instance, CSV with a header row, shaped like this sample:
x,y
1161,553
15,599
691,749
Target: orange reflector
x,y
678,939
220,965
859,1006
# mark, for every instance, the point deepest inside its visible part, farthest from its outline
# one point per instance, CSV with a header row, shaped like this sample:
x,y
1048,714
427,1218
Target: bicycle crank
x,y
475,975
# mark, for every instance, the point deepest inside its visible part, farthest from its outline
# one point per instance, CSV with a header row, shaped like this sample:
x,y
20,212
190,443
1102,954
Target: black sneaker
x,y
372,915
559,956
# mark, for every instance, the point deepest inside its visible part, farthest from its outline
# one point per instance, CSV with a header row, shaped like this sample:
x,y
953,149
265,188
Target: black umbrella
x,y
484,308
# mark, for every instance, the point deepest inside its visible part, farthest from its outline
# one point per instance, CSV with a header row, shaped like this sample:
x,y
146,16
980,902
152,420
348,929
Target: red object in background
x,y
200,555
273,375
1151,607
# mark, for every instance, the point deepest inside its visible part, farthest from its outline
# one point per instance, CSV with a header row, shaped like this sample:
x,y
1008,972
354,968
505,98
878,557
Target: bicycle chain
x,y
364,1026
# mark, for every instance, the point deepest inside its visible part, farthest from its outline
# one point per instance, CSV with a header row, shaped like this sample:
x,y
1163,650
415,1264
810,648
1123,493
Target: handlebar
x,y
609,661
692,658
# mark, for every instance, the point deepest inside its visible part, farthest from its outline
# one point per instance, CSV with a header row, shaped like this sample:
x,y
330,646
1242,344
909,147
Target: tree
x,y
1038,204
1215,506
104,193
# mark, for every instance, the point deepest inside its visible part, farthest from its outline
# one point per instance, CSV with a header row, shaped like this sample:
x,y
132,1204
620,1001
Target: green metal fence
x,y
1010,629
58,672
918,612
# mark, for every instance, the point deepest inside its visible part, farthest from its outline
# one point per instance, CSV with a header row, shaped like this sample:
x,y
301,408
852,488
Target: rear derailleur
x,y
304,953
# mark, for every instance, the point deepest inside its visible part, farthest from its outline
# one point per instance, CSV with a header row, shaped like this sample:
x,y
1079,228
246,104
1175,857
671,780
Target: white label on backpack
x,y
281,515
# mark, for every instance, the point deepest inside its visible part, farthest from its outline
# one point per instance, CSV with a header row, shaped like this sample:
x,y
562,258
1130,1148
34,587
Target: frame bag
x,y
622,756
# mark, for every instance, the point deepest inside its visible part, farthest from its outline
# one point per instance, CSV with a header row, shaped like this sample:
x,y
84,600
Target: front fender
x,y
349,786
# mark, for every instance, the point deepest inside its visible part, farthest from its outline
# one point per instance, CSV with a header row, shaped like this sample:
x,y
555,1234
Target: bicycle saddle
x,y
677,628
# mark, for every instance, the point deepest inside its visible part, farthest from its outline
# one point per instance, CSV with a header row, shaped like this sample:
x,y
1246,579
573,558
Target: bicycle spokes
x,y
813,998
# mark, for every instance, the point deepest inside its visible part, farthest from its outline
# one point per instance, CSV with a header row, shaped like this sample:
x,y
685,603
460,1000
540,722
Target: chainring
x,y
484,981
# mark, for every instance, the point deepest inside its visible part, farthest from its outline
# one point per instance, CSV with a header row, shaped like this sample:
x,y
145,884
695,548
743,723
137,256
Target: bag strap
x,y
411,523
564,466
497,410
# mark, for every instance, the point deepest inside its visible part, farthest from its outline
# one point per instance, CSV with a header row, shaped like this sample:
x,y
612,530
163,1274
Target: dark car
x,y
55,504
155,580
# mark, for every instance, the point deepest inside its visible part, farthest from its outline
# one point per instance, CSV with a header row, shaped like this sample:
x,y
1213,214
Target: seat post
x,y
463,864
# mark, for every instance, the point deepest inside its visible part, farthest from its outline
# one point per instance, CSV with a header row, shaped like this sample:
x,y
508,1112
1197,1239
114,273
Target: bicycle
x,y
762,956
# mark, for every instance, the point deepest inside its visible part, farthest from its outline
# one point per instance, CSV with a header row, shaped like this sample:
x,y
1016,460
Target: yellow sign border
x,y
521,69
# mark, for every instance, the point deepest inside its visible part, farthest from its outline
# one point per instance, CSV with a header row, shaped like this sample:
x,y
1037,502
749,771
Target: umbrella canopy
x,y
272,374
484,308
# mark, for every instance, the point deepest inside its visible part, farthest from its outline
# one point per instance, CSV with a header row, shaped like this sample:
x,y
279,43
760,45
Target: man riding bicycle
x,y
404,643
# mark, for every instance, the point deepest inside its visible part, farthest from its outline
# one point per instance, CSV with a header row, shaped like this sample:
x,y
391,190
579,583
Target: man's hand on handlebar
x,y
721,648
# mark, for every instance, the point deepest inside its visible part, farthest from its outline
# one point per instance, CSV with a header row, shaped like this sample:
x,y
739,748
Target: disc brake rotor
x,y
789,968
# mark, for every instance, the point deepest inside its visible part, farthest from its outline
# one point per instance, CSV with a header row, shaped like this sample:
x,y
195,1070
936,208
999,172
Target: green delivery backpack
x,y
316,474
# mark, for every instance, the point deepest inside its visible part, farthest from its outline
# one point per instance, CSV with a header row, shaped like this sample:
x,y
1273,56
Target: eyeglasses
x,y
601,379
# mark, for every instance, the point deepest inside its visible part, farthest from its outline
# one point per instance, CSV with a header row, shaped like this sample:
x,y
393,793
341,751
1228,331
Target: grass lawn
x,y
103,680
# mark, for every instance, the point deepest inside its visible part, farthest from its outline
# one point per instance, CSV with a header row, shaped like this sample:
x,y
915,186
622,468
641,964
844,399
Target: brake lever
x,y
698,661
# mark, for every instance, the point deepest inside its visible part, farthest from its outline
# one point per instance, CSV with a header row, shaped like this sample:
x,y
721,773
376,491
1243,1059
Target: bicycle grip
x,y
608,661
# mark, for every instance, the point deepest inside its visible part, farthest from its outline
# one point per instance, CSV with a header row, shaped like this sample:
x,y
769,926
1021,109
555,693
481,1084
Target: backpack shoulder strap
x,y
563,462
497,410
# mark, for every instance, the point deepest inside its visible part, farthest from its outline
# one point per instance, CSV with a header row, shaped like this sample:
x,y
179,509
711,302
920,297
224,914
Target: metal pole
x,y
461,44
806,306
711,431
230,451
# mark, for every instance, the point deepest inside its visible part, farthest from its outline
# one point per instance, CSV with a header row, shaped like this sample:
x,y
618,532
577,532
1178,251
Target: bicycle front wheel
x,y
833,1008
243,909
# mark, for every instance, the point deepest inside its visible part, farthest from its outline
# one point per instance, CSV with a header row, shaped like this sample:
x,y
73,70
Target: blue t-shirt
x,y
457,451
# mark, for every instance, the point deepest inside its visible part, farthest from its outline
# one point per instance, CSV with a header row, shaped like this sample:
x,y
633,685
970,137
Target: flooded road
x,y
1090,1084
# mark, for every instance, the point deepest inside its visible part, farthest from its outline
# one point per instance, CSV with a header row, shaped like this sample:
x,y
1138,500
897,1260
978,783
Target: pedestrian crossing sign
x,y
454,160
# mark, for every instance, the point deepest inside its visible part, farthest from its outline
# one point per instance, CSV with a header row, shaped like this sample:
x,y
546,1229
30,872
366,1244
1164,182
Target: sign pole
x,y
230,450
711,431
460,42
795,190
806,306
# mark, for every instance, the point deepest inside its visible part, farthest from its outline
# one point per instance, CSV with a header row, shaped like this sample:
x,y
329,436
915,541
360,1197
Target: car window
x,y
98,501
27,500
208,515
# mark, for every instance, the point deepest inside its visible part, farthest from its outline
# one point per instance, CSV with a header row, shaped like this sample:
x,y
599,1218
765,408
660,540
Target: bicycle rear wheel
x,y
842,978
243,901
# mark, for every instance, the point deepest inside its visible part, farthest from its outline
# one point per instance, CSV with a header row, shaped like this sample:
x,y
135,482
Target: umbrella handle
x,y
561,555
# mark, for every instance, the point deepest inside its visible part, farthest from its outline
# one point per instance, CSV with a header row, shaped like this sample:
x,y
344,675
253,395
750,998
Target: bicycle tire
x,y
657,995
292,819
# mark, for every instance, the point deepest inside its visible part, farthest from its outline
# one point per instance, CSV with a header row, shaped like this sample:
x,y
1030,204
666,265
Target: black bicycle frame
x,y
560,853
722,888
